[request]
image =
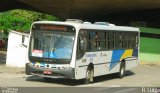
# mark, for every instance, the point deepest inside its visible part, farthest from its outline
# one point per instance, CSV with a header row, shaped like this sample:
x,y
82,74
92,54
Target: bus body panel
x,y
104,62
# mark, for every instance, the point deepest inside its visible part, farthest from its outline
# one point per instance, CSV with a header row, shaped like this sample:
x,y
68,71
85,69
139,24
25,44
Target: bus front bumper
x,y
53,73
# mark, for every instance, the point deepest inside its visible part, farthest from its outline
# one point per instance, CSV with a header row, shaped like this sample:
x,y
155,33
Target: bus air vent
x,y
104,23
74,20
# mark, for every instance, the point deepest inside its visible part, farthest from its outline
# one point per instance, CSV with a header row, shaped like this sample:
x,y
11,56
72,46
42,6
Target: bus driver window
x,y
82,43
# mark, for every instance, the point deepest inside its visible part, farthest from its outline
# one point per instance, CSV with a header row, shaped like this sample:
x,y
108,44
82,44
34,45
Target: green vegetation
x,y
20,20
149,30
149,47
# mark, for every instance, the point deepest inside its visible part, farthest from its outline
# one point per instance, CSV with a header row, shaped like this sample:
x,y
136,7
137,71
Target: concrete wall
x,y
16,52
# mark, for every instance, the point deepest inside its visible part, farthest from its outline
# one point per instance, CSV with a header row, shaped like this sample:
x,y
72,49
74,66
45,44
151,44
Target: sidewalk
x,y
150,59
3,57
11,70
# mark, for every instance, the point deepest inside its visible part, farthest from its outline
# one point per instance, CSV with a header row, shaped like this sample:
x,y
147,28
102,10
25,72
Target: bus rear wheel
x,y
122,70
89,76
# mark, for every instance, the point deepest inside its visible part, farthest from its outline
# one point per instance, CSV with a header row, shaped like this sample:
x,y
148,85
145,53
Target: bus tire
x,y
47,79
89,76
122,70
27,69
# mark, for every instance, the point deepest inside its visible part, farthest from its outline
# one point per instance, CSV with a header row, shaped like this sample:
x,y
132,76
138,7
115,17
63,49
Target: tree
x,y
31,16
21,20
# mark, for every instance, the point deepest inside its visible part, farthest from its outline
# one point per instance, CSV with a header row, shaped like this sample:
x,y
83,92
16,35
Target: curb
x,y
150,63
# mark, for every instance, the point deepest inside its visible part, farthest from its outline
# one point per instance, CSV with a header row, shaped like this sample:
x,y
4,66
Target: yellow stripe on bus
x,y
127,53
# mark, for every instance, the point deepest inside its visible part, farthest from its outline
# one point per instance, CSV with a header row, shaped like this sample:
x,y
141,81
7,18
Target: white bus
x,y
81,50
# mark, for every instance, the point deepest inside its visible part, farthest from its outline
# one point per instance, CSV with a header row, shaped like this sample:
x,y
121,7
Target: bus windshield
x,y
47,44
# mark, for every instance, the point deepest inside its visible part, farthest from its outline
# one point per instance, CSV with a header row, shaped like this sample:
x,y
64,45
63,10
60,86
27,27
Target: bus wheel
x,y
122,70
27,69
47,79
89,76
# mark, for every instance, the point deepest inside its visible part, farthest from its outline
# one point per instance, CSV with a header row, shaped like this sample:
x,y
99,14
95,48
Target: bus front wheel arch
x,y
89,74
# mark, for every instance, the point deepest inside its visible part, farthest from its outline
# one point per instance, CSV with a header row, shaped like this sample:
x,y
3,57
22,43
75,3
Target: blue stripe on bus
x,y
116,55
135,52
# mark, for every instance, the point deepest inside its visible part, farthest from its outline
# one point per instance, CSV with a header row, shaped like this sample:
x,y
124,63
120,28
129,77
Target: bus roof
x,y
90,26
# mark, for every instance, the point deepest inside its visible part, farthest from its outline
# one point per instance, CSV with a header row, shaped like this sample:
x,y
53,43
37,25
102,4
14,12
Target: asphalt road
x,y
140,76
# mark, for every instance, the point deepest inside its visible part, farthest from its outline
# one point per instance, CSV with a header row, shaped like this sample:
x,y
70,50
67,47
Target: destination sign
x,y
50,27
53,27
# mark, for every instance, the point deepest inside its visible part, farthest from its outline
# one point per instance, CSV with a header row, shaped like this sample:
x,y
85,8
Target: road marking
x,y
100,84
91,85
126,90
115,86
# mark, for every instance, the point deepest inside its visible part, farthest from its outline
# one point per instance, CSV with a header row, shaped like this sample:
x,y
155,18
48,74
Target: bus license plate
x,y
47,72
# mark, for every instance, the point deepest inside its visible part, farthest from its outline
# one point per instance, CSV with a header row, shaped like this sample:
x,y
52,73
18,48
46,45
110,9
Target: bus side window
x,y
93,40
81,44
127,39
137,40
132,40
107,39
124,40
111,40
118,40
102,40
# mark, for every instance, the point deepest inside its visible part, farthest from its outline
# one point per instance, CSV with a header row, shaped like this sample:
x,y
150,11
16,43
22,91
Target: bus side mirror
x,y
23,41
